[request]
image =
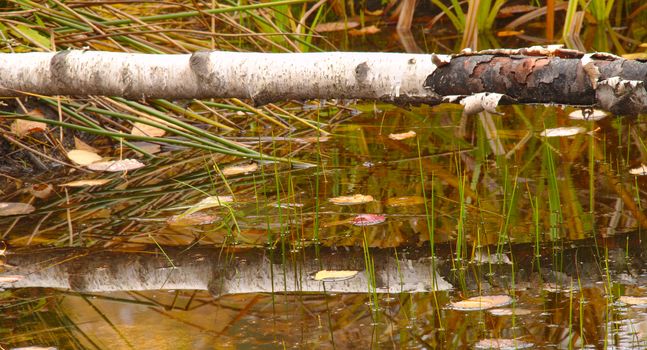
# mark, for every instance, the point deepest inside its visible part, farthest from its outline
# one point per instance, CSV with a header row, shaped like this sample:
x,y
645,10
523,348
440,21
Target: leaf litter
x,y
15,208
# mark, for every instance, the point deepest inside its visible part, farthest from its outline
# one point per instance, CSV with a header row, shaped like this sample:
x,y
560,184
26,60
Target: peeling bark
x,y
531,75
223,271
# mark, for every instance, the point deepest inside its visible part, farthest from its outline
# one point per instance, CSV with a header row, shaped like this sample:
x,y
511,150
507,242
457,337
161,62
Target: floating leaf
x,y
596,114
404,201
334,275
351,200
368,219
482,302
41,191
239,169
629,300
116,165
83,183
13,208
209,202
502,344
83,157
192,219
641,170
563,131
335,26
506,33
141,129
403,136
11,278
510,312
364,31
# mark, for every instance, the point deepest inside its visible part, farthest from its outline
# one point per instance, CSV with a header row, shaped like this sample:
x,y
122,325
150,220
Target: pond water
x,y
464,207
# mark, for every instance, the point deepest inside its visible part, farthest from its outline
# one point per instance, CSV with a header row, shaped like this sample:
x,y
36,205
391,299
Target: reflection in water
x,y
486,196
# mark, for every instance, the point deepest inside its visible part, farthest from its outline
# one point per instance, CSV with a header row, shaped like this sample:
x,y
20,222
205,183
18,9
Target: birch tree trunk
x,y
479,80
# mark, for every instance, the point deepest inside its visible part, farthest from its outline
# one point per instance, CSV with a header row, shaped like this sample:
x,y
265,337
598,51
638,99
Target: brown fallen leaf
x,y
506,33
482,302
335,26
13,208
141,129
402,136
84,183
79,144
116,165
351,200
364,31
23,128
41,191
239,169
83,157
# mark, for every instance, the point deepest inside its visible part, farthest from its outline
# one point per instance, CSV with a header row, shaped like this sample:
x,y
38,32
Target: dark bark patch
x,y
59,70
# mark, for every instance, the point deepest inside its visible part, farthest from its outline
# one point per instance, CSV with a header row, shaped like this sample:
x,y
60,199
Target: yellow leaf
x,y
334,275
141,129
83,183
350,200
402,136
82,157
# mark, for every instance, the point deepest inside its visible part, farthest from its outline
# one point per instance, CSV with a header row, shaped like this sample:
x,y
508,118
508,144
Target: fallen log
x,y
479,80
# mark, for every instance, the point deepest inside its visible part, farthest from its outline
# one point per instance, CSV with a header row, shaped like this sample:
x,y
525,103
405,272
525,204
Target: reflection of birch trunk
x,y
223,271
247,271
533,75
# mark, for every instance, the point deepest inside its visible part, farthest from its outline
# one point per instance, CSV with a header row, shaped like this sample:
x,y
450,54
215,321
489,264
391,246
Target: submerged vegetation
x,y
537,213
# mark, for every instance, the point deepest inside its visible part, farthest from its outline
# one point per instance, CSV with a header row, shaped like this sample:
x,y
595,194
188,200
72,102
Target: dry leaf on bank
x,y
23,128
402,136
84,183
41,191
141,129
83,157
13,208
79,144
351,200
116,165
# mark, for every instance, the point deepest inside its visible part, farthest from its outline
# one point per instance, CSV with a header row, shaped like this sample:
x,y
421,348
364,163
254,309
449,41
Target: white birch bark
x,y
262,77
